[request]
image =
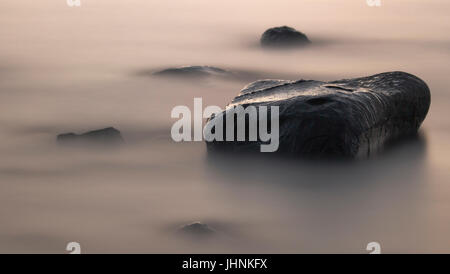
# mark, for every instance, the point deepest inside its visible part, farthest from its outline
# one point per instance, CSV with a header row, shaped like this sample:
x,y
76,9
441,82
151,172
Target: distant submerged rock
x,y
351,118
196,229
102,137
193,71
283,37
206,73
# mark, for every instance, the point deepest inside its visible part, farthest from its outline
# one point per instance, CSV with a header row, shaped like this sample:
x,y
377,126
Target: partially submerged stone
x,y
196,229
193,71
349,118
283,37
102,137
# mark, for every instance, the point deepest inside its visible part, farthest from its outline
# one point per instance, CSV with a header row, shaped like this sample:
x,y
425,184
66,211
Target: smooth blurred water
x,y
76,69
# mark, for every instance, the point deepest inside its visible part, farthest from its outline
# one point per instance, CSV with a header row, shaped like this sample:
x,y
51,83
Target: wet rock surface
x,y
102,137
350,118
284,36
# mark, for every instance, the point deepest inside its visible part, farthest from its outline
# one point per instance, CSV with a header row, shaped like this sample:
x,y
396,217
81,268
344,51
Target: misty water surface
x,y
76,69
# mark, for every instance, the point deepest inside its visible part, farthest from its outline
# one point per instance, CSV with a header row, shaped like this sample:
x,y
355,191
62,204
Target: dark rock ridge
x,y
193,71
196,229
196,73
105,137
283,37
349,118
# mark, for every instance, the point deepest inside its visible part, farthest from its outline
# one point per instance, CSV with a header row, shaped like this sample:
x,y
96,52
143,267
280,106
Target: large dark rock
x,y
349,118
102,137
193,71
283,37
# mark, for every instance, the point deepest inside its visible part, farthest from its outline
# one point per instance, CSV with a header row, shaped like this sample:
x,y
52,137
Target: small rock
x,y
197,229
104,137
283,37
193,71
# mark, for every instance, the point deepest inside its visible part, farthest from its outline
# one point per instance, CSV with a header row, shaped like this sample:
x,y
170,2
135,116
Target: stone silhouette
x,y
281,37
102,137
193,71
196,229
